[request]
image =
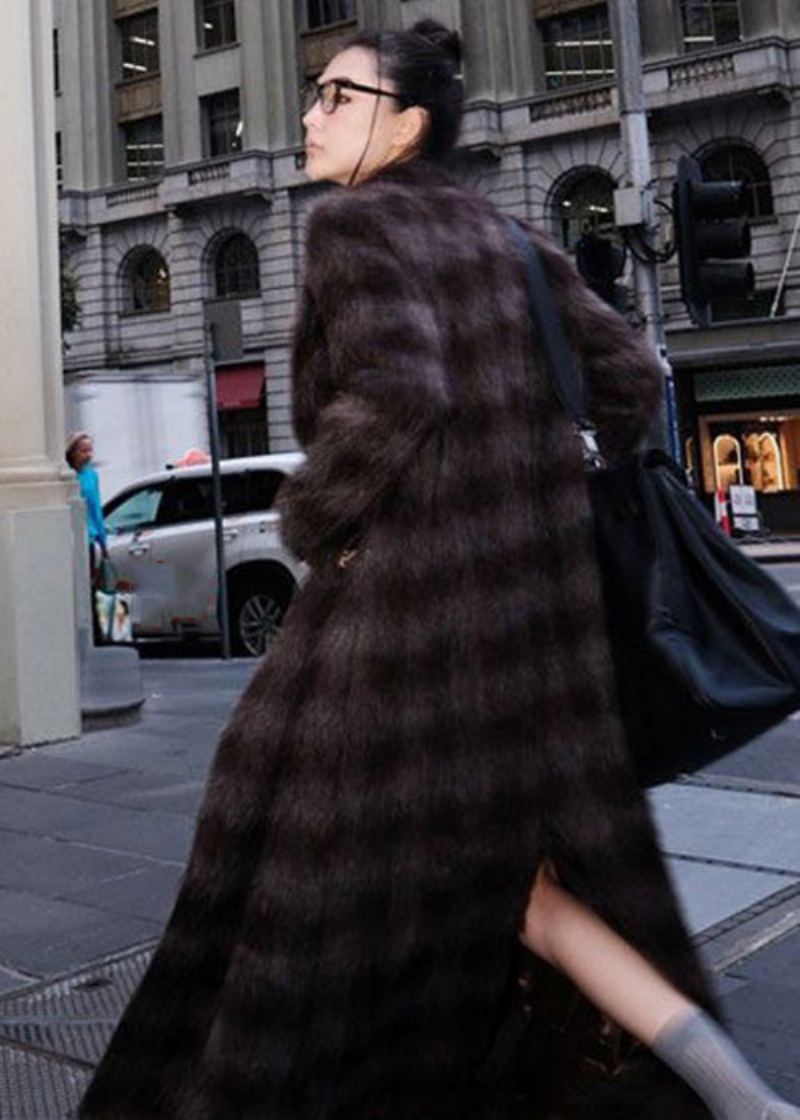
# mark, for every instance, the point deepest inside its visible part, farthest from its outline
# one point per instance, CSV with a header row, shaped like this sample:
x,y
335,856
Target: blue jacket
x,y
90,492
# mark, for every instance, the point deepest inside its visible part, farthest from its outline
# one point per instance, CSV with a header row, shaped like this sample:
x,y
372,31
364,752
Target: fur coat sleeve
x,y
383,364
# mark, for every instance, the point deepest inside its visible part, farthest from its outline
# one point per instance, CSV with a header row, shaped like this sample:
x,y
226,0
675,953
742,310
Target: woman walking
x,y
427,779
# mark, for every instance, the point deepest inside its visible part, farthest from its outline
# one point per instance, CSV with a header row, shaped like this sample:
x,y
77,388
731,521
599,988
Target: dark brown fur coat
x,y
432,722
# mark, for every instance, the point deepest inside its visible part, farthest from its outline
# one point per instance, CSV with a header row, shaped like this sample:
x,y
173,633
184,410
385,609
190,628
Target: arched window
x,y
145,282
236,268
737,161
727,462
585,204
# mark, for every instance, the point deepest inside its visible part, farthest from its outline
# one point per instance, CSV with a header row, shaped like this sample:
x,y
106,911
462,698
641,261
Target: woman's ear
x,y
412,125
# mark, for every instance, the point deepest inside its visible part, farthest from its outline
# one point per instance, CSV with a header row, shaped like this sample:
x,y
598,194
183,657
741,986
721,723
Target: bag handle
x,y
562,368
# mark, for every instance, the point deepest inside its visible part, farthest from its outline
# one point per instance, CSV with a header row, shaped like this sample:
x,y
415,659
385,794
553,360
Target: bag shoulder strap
x,y
562,368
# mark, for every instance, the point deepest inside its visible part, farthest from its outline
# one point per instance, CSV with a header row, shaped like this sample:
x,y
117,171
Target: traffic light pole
x,y
636,147
216,490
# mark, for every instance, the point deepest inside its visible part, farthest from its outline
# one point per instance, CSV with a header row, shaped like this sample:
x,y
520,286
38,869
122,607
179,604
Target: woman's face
x,y
335,142
84,449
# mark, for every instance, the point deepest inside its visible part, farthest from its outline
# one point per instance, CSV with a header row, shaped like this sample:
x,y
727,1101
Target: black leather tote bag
x,y
706,645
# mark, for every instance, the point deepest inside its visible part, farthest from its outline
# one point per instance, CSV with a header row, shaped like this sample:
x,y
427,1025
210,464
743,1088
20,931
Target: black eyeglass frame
x,y
340,84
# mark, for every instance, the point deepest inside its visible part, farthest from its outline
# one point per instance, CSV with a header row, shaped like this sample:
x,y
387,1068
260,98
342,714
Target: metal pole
x,y
216,490
773,311
636,146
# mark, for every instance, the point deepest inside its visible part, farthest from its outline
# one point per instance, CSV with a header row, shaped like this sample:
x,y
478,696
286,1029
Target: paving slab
x,y
147,893
187,755
47,867
142,790
113,827
35,770
749,829
765,1021
775,755
44,937
710,893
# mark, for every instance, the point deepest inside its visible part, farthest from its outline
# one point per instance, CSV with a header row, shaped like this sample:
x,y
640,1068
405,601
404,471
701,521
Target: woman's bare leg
x,y
619,981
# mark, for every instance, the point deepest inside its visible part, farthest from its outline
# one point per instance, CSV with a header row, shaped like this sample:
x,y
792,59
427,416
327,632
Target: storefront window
x,y
727,462
763,461
758,451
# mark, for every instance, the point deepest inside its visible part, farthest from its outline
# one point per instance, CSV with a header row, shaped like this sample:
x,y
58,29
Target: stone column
x,y
661,30
498,41
761,19
38,679
379,13
789,19
278,47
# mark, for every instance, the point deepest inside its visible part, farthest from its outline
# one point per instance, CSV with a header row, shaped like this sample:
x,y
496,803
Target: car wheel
x,y
256,612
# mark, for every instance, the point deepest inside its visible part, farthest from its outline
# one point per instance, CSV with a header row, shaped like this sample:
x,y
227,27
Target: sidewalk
x,y
785,551
95,834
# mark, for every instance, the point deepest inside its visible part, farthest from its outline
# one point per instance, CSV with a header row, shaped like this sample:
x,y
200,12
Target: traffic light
x,y
601,262
712,236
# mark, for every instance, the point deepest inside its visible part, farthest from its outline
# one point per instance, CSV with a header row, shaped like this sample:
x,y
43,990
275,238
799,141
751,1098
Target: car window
x,y
262,488
234,494
134,511
186,499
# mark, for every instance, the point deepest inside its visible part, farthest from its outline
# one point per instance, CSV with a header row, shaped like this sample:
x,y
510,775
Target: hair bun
x,y
449,42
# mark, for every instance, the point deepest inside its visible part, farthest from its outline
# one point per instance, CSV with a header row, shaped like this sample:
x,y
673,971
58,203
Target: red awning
x,y
240,387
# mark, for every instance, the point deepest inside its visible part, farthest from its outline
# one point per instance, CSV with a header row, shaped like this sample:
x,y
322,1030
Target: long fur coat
x,y
434,720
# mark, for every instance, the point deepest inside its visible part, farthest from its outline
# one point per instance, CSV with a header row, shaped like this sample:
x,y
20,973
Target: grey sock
x,y
700,1052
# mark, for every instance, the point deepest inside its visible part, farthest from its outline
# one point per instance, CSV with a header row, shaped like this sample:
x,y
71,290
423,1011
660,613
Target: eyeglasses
x,y
330,96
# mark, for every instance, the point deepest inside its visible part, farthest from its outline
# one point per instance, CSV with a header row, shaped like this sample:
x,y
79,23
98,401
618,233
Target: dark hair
x,y
424,65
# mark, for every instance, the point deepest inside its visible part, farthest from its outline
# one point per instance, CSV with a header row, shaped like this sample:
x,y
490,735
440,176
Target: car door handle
x,y
138,549
230,534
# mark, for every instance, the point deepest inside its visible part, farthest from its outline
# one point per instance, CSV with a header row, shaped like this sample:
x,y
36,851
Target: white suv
x,y
161,542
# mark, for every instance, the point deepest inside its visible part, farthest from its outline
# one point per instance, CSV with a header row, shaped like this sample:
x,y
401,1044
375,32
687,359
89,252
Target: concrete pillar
x,y
38,679
789,17
760,19
498,43
182,134
88,105
278,46
661,30
380,14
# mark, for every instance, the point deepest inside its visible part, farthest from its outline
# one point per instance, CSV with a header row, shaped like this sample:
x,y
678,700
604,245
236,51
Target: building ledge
x,y
181,190
740,341
755,68
245,175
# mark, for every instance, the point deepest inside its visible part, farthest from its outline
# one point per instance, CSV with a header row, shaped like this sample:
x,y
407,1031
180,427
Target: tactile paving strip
x,y
52,1034
38,1088
74,1017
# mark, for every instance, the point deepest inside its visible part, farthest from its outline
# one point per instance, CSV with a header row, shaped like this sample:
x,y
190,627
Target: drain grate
x,y
33,1087
74,1017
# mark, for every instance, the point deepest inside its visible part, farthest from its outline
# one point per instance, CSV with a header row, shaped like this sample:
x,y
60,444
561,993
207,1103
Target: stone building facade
x,y
179,147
